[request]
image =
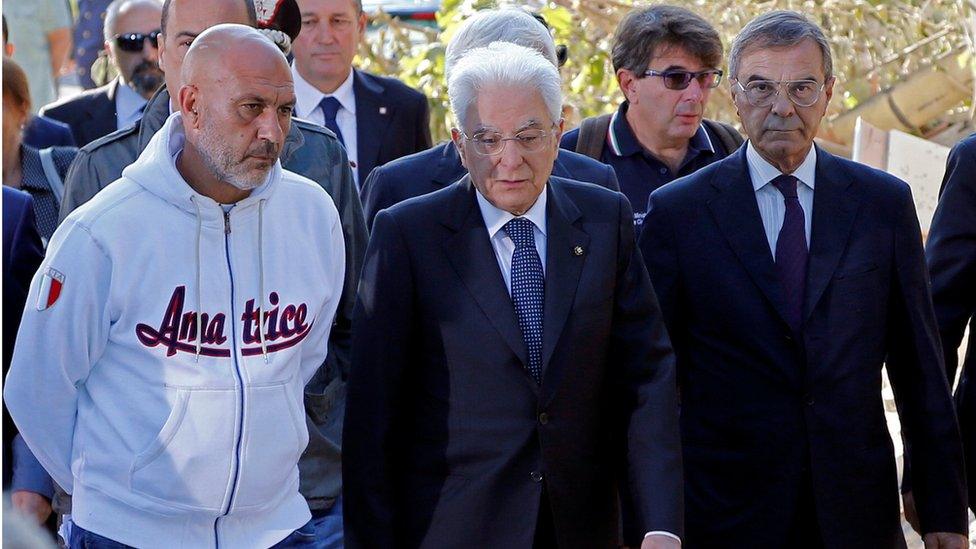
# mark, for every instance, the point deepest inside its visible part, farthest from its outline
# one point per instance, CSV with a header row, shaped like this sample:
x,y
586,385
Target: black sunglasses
x,y
135,41
676,79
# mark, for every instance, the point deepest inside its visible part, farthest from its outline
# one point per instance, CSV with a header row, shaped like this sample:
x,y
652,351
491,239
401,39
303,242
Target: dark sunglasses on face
x,y
677,79
134,41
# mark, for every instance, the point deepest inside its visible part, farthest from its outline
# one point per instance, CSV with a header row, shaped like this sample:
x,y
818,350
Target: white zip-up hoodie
x,y
164,438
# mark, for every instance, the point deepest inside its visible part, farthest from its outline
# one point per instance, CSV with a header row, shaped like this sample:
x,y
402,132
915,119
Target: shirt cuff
x,y
28,474
662,533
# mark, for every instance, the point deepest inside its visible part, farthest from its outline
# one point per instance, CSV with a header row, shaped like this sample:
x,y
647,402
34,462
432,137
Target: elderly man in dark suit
x,y
951,253
437,167
788,277
511,368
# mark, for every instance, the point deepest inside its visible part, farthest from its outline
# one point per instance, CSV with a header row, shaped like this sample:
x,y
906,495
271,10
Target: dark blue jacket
x,y
22,254
768,415
951,252
392,120
438,167
449,441
43,132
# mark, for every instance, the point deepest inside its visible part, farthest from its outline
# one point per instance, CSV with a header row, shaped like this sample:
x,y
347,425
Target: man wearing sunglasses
x,y
788,277
131,40
666,59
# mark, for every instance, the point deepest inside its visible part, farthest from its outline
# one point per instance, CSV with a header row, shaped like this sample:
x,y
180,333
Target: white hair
x,y
506,65
511,24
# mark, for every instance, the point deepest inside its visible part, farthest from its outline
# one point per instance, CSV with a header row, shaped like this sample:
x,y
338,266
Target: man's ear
x,y
627,81
361,24
189,105
458,140
161,52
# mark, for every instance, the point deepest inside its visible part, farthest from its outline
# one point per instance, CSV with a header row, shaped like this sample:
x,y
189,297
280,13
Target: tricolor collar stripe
x,y
708,138
612,137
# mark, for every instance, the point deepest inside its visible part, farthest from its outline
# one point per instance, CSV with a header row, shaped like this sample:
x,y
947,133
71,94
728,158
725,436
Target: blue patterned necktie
x,y
330,108
791,251
528,290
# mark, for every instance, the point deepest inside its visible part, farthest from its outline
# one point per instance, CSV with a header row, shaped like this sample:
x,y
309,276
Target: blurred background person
x,y
86,37
377,118
40,131
38,172
29,485
41,29
131,32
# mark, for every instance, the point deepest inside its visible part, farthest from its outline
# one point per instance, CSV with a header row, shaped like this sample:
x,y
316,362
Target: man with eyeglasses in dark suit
x,y
131,40
667,60
788,277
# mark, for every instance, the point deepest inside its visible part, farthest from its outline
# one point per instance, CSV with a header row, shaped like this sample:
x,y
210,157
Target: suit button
x,y
543,418
536,476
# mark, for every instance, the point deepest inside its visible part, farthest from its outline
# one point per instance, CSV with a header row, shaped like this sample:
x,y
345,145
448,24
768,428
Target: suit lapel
x,y
737,213
102,114
835,205
564,239
473,257
372,118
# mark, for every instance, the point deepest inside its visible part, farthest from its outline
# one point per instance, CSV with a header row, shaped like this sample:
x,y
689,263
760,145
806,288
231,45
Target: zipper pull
x,y
226,222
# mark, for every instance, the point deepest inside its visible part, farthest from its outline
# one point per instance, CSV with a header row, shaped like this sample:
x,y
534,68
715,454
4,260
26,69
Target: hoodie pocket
x,y
275,437
188,463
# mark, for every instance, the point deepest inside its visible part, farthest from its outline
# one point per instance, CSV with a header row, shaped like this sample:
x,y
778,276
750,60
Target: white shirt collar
x,y
308,96
496,218
127,103
762,172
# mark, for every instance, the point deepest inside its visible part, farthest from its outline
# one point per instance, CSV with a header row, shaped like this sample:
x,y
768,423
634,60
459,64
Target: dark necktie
x,y
528,290
791,251
330,108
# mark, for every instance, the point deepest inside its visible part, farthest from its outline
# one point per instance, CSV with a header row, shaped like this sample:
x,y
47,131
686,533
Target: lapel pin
x,y
578,250
382,110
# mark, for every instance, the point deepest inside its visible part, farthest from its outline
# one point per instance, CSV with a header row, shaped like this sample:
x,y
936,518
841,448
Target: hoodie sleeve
x,y
315,348
63,333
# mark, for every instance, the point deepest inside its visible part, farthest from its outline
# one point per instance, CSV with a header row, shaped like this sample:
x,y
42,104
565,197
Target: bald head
x,y
237,99
229,50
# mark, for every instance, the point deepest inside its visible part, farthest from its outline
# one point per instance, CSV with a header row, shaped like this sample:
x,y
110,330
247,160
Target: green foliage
x,y
875,43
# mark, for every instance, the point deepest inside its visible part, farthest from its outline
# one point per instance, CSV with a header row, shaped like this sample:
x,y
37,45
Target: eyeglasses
x,y
676,79
135,41
763,93
492,143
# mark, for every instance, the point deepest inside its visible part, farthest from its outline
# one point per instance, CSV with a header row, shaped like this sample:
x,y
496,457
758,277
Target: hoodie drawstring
x,y
199,291
264,346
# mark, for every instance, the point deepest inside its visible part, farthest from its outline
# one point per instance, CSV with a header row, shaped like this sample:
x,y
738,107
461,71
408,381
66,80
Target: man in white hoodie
x,y
172,327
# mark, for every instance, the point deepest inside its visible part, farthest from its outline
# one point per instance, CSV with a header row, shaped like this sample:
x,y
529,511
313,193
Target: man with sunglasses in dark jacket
x,y
131,40
666,60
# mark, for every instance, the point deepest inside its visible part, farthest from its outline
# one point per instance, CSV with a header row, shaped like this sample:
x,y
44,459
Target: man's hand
x,y
34,505
945,540
911,515
657,541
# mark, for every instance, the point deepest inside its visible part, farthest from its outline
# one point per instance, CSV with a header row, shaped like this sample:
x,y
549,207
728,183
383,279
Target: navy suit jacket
x,y
951,252
766,413
43,132
22,255
90,114
448,441
392,120
438,167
